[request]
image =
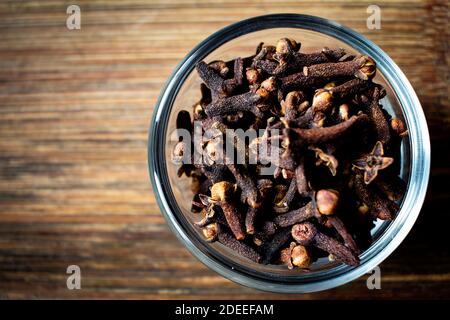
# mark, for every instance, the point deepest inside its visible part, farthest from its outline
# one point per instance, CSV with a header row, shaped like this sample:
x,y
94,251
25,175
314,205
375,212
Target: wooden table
x,y
75,107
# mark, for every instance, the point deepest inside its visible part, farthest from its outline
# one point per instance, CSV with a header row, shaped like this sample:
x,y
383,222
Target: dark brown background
x,y
74,113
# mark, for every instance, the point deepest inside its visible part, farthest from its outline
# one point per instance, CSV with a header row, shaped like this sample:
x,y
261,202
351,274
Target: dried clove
x,y
220,67
362,67
295,256
299,137
307,234
292,61
295,216
316,115
245,102
250,220
298,81
378,207
302,182
293,105
283,204
249,193
343,232
377,117
270,247
238,247
300,257
326,158
264,232
210,232
221,192
211,77
327,201
398,126
373,162
253,76
391,186
350,88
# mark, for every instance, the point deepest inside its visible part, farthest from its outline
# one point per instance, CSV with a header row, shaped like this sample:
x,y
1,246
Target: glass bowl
x,y
182,91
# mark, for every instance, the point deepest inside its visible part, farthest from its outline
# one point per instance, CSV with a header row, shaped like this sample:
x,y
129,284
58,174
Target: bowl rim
x,y
420,156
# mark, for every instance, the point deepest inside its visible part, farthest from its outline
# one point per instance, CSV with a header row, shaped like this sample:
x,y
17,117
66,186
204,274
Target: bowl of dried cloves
x,y
289,153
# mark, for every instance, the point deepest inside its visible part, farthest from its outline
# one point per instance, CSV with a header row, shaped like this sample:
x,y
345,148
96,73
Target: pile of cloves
x,y
336,172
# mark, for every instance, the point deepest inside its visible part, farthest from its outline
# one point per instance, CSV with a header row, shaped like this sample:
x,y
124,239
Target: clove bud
x,y
327,201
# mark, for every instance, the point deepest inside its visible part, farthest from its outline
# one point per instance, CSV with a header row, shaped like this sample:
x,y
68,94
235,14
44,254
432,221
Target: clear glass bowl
x,y
182,91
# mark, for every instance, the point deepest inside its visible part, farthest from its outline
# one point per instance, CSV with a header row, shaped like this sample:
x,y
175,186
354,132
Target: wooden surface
x,y
74,113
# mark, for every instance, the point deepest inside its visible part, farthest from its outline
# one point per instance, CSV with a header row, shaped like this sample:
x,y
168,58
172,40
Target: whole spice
x,y
322,101
376,115
221,67
300,257
378,207
272,246
250,220
249,193
327,201
211,214
313,136
295,216
307,234
211,78
210,232
309,173
298,81
253,76
264,232
283,204
294,104
373,162
292,61
295,256
350,88
362,67
239,247
343,112
343,232
398,126
245,102
300,176
327,159
391,186
221,193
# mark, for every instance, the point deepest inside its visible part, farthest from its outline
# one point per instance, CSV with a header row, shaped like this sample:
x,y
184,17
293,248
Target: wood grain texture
x,y
74,113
